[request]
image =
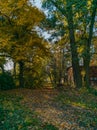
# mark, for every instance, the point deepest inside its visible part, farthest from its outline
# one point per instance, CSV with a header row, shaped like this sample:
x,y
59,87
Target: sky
x,y
8,65
37,3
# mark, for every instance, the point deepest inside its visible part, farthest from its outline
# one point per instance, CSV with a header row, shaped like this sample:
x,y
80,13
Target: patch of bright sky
x,y
8,65
36,3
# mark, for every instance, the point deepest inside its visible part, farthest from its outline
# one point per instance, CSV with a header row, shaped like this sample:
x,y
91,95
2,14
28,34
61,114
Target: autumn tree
x,y
18,35
73,14
85,21
87,56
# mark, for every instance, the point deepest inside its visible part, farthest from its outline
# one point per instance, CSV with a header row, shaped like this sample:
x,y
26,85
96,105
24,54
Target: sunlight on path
x,y
44,104
64,116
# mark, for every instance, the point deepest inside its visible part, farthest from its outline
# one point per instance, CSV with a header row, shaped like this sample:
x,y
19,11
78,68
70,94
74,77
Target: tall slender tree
x,y
77,16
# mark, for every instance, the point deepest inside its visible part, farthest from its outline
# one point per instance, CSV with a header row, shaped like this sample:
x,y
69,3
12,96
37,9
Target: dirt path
x,y
44,104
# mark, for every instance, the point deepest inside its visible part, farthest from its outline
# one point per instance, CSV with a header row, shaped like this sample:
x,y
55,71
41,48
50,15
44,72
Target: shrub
x,y
31,81
6,81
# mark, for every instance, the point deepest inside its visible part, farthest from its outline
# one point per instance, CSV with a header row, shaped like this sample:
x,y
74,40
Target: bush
x,y
31,81
92,91
6,81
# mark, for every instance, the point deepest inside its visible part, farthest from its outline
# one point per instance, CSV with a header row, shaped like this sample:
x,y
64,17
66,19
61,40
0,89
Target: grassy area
x,y
84,104
83,98
14,116
66,109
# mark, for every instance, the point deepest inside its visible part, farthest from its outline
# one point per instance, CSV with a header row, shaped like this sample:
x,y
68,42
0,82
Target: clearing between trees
x,y
49,108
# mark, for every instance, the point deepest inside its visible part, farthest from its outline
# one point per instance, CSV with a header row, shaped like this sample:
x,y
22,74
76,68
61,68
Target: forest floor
x,y
67,109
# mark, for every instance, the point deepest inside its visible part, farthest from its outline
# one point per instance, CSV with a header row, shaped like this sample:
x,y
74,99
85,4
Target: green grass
x,y
84,103
79,107
82,98
14,116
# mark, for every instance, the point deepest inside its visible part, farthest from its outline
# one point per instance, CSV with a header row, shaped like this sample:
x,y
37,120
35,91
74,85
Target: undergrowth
x,y
84,104
14,116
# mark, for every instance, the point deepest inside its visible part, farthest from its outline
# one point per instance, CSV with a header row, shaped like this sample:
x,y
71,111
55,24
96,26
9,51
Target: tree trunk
x,y
75,60
2,67
21,75
55,75
86,68
14,70
87,54
60,67
63,67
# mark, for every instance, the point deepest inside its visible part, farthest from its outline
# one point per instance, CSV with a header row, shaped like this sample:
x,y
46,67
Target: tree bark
x,y
87,56
75,60
14,70
63,66
21,74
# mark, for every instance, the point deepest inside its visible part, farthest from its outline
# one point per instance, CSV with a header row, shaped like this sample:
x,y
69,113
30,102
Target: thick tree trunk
x,y
21,74
87,54
75,60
